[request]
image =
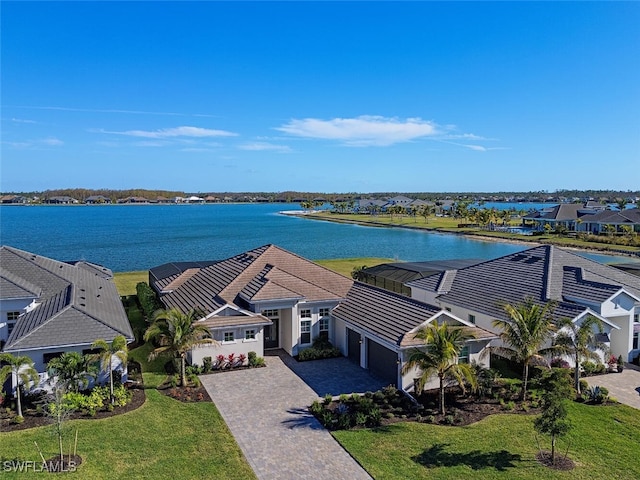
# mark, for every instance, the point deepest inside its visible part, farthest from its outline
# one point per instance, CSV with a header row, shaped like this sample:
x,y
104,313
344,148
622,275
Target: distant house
x,y
194,199
48,307
370,205
400,200
12,199
61,200
133,200
97,199
597,222
564,215
579,286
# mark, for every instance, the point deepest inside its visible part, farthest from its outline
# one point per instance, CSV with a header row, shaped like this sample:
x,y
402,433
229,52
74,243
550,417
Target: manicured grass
x,y
163,439
126,281
345,266
604,445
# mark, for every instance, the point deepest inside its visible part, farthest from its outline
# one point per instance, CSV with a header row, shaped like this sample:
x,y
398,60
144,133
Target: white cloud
x,y
51,141
262,146
150,143
362,131
22,120
184,131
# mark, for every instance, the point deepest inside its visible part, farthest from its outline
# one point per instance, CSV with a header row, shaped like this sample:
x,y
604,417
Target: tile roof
x,y
629,216
388,315
543,273
77,303
264,273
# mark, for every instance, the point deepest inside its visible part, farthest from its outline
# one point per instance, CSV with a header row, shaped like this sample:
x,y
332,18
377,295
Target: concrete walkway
x,y
624,386
266,411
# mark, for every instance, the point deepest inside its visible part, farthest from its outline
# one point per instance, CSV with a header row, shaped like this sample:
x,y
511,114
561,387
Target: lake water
x,y
138,237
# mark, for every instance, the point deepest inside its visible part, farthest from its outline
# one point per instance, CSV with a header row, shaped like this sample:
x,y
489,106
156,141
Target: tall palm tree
x,y
73,369
23,369
529,327
579,342
176,333
439,356
117,348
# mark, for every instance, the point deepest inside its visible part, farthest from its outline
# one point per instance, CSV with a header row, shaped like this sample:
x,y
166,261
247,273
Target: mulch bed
x,y
561,463
186,394
33,419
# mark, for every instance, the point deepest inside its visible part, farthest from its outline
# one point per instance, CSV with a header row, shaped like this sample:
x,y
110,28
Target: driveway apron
x,y
266,411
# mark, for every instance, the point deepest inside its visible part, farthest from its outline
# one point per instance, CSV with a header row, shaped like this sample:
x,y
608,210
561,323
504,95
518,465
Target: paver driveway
x,y
266,411
623,386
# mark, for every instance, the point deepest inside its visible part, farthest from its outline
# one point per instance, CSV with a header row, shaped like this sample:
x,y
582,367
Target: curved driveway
x,y
266,411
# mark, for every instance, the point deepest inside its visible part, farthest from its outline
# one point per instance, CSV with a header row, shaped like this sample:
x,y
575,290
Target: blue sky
x,y
329,96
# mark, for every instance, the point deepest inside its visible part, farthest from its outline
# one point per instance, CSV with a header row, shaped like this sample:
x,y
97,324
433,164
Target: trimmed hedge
x,y
147,298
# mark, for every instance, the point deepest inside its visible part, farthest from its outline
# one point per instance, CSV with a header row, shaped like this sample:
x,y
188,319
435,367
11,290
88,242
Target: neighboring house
x,y
133,200
596,223
264,298
376,329
580,287
395,276
370,205
49,307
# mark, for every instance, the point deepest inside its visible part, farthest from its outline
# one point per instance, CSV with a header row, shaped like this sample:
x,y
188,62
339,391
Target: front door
x,y
271,334
353,345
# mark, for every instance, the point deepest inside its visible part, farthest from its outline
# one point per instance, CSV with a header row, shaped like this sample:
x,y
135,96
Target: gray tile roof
x,y
543,273
629,216
78,302
388,315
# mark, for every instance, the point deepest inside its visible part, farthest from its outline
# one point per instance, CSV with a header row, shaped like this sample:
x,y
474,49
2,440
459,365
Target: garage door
x,y
382,362
353,343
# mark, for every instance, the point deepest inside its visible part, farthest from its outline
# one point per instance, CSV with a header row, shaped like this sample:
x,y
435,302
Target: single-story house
x,y
563,215
597,222
48,307
579,286
264,298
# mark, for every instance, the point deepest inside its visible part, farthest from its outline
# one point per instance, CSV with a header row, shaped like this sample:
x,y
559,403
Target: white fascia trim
x,y
588,311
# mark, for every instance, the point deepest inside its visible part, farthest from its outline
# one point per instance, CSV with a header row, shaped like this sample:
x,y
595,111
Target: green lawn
x,y
163,439
126,281
604,444
345,266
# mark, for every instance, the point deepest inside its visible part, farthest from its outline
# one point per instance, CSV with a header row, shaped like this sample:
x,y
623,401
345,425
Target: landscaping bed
x,y
34,416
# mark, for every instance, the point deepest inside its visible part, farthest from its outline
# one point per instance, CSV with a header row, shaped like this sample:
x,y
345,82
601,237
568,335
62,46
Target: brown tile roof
x,y
267,272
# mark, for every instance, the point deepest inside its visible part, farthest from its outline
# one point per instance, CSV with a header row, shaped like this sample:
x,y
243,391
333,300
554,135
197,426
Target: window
x,y
324,312
463,357
228,337
305,332
10,326
636,335
249,334
324,328
13,315
47,357
306,313
271,313
472,319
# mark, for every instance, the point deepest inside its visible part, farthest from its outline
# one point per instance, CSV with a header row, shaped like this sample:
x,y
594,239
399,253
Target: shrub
x,y
254,360
360,419
596,394
449,419
316,407
207,364
241,359
344,397
375,417
221,362
18,419
583,385
430,419
589,368
509,406
194,380
326,418
328,398
231,358
314,353
147,298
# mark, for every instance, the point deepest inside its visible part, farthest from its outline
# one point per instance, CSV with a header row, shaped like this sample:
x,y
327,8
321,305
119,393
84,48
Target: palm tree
x,y
117,348
22,367
439,356
524,334
176,333
73,369
578,341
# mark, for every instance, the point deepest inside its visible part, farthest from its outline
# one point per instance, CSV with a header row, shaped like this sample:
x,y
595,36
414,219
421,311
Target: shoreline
x,y
478,236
